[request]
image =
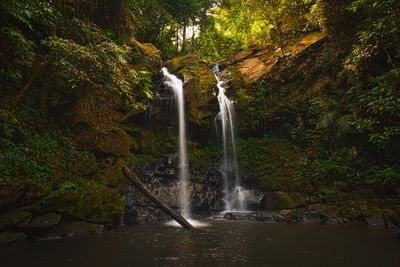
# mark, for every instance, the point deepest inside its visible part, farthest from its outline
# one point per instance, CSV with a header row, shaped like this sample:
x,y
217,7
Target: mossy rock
x,y
84,164
281,200
187,62
110,176
15,217
114,141
93,202
199,87
11,237
43,221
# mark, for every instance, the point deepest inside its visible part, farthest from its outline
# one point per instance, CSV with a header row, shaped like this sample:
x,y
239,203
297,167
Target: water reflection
x,y
221,243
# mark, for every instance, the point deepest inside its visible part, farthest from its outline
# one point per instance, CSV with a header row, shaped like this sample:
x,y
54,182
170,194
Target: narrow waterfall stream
x,y
234,194
177,86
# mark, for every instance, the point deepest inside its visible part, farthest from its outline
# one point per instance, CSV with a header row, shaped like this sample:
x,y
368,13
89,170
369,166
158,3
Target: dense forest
x,y
316,86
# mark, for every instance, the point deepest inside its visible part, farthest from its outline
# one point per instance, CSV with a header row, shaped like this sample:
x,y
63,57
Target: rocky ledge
x,y
160,177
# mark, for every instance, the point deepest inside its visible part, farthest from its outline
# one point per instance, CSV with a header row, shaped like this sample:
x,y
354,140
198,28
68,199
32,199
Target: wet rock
x,y
205,191
320,213
11,237
275,216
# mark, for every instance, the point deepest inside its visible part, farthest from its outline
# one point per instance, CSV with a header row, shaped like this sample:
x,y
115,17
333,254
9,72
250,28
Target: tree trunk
x,y
142,188
184,38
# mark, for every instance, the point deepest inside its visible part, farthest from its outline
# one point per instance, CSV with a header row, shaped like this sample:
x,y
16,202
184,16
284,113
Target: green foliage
x,y
165,23
204,155
276,160
17,34
38,155
257,103
238,24
95,62
348,129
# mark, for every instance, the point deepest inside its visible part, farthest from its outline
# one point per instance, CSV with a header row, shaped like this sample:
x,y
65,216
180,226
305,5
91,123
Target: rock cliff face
x,y
262,62
160,177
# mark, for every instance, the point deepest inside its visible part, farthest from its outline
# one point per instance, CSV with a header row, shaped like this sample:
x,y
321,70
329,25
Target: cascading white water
x,y
234,194
177,86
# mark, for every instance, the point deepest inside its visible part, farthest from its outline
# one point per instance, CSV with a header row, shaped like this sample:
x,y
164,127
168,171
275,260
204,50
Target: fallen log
x,y
142,188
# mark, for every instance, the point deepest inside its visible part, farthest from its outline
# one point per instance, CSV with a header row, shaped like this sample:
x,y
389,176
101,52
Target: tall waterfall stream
x,y
177,86
234,194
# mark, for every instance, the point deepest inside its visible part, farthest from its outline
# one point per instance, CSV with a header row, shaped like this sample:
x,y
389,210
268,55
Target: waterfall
x,y
234,194
177,86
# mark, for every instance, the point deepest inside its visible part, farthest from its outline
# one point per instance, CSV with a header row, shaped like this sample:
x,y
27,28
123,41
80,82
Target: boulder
x,y
97,204
43,221
114,141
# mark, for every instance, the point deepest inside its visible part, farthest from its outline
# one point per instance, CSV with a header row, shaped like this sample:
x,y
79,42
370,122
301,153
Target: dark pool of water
x,y
221,243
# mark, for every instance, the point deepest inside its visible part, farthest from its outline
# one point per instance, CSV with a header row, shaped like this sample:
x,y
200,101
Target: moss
x,y
110,176
85,163
88,200
136,160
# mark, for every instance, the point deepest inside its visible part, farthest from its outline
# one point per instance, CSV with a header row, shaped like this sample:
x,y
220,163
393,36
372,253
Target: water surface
x,y
220,243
